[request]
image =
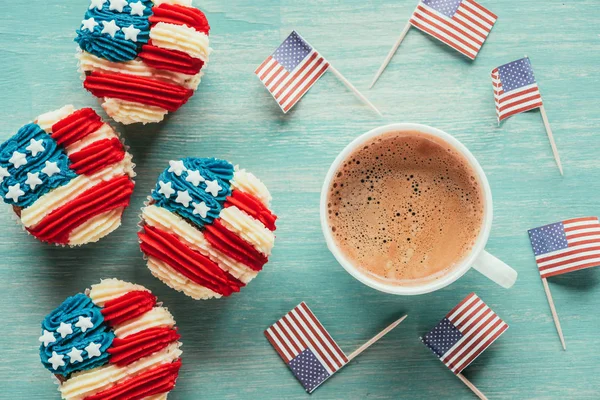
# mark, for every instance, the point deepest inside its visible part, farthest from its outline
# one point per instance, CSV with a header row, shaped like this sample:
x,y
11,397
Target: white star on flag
x,y
177,167
56,360
47,338
183,198
201,209
117,5
33,180
75,355
84,323
213,188
18,159
110,27
14,192
131,33
165,189
194,177
89,24
98,4
64,329
93,350
35,147
137,8
51,168
3,173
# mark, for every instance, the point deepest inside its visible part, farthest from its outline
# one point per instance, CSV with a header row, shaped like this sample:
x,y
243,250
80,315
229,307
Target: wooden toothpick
x,y
472,387
391,54
554,314
551,138
375,339
353,89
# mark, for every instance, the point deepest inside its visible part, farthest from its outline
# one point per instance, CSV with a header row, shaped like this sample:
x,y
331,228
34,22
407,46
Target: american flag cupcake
x,y
142,58
67,176
114,342
207,229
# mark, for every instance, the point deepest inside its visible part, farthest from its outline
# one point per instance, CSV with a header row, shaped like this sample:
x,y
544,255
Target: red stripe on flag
x,y
273,337
105,196
276,74
567,270
312,316
483,12
464,360
96,156
581,235
573,260
442,39
190,263
316,328
505,106
533,90
180,15
583,219
520,110
568,253
297,83
473,321
468,339
128,306
307,87
486,344
471,21
296,75
310,339
445,22
76,126
124,351
253,207
459,305
296,342
170,60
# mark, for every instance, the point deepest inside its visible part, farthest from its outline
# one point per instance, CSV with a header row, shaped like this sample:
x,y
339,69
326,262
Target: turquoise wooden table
x,y
225,353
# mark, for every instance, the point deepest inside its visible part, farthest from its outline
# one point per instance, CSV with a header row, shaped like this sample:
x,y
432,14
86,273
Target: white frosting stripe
x,y
109,289
127,112
246,182
105,132
96,228
181,38
251,230
178,281
45,121
157,317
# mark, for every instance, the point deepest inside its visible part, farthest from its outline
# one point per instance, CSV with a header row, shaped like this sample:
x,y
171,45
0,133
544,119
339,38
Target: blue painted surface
x,y
232,117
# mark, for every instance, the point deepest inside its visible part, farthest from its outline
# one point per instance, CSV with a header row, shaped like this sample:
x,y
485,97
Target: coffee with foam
x,y
405,208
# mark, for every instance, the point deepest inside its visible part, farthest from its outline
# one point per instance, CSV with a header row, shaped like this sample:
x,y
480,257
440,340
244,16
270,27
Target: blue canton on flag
x,y
443,337
549,238
446,7
516,74
292,51
308,370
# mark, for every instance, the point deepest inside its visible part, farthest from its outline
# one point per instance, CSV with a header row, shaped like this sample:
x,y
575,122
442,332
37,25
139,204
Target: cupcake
x,y
114,342
67,177
207,229
142,58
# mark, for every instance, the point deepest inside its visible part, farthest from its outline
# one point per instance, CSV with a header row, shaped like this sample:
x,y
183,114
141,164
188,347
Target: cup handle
x,y
495,270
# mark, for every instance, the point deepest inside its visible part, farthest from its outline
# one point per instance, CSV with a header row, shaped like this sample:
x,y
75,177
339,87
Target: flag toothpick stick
x,y
554,314
551,138
391,54
353,89
472,387
375,339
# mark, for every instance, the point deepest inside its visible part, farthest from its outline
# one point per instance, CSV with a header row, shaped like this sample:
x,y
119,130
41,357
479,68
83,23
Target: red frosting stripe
x,y
96,156
157,380
76,126
170,60
130,349
180,15
137,89
105,196
233,246
253,207
130,305
190,263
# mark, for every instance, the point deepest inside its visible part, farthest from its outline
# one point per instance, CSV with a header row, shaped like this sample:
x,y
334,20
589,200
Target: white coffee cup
x,y
478,258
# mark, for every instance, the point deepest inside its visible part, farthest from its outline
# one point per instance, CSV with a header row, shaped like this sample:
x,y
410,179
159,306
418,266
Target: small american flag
x,y
515,89
291,71
465,333
463,25
306,347
566,246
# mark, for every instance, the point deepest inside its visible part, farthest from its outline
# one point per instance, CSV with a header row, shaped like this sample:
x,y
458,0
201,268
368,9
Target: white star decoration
x,y
93,350
33,180
18,159
194,177
117,5
51,168
75,355
14,192
89,24
35,147
137,8
201,209
131,33
177,167
110,27
84,323
56,360
47,338
165,189
213,188
98,4
183,198
64,329
3,173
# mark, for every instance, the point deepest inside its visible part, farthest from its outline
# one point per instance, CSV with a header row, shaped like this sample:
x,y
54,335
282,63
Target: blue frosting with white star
x,y
115,48
69,312
210,169
35,164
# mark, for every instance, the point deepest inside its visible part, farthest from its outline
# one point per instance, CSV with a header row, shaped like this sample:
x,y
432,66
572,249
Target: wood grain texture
x,y
225,353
